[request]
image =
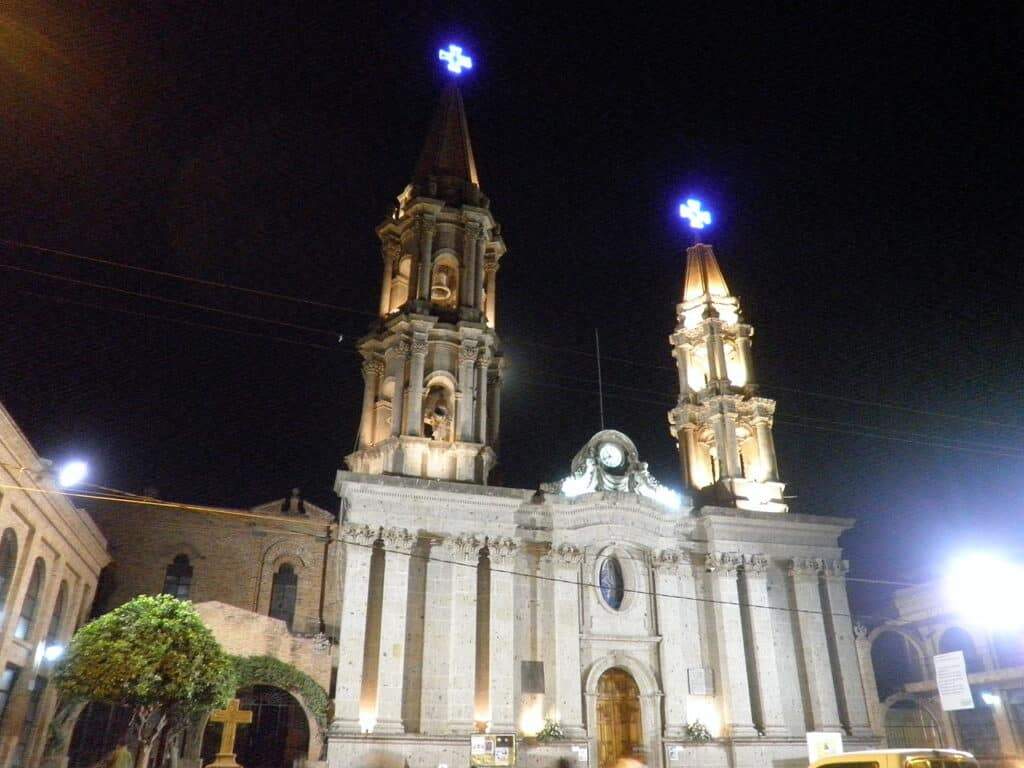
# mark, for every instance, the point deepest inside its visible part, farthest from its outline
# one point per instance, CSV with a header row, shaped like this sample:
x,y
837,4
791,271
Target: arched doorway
x,y
277,737
619,725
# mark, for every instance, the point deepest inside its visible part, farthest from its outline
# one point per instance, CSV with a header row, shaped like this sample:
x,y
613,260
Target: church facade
x,y
604,610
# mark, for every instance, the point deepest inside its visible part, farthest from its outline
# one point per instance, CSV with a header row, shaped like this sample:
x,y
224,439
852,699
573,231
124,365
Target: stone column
x,y
852,687
766,448
416,365
814,645
674,683
867,675
686,438
372,369
478,289
437,621
426,228
724,425
567,697
682,353
358,541
746,359
400,353
769,693
734,691
491,272
494,404
472,232
390,253
391,665
464,412
502,649
483,366
464,553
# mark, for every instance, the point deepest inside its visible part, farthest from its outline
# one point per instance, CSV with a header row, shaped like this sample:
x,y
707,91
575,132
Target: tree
x,y
155,655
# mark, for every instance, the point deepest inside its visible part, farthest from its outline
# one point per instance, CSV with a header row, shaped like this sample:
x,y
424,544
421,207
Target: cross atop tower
x,y
457,60
691,211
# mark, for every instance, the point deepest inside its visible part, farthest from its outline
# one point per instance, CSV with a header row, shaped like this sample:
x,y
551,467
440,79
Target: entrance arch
x,y
620,731
276,738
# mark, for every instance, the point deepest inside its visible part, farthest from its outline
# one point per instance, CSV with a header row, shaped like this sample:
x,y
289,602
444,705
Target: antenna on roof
x,y
600,385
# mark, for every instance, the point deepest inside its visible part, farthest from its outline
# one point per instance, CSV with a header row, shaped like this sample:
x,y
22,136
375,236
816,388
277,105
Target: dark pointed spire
x,y
446,168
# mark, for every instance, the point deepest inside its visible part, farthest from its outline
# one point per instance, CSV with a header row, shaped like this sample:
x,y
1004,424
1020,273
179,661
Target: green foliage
x,y
154,654
266,670
697,732
551,731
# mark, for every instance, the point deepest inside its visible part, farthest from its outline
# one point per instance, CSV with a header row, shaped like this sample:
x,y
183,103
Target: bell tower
x,y
432,362
724,431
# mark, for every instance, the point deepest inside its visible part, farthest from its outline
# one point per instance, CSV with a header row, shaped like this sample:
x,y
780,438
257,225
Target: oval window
x,y
612,587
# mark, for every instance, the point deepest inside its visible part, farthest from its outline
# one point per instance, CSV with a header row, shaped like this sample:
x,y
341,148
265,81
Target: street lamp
x,y
72,473
985,591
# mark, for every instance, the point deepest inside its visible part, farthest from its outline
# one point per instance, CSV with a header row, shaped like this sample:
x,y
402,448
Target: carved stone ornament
x,y
502,551
485,357
398,540
373,367
392,250
757,564
425,226
321,643
467,355
419,347
360,535
490,266
401,349
806,566
724,563
566,555
474,230
668,560
860,631
464,548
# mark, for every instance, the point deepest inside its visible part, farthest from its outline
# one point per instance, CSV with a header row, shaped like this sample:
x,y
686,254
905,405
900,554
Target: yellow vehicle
x,y
899,758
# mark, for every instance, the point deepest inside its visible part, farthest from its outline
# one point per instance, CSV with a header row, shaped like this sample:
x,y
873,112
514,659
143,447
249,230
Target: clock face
x,y
610,455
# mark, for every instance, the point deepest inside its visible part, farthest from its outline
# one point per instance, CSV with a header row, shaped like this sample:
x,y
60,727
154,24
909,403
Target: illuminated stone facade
x,y
467,608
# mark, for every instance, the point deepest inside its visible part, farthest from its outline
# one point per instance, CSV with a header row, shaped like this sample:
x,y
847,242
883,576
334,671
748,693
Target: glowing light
x,y
991,699
367,720
72,473
985,591
702,709
531,714
457,60
691,211
53,652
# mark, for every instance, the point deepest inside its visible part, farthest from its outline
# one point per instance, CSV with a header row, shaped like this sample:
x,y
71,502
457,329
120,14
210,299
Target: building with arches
x,y
605,603
896,659
51,555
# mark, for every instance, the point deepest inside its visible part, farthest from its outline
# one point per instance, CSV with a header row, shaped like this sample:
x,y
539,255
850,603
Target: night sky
x,y
863,165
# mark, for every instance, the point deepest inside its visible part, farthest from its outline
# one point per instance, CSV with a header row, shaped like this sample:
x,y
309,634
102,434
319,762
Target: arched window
x,y
8,559
57,617
282,594
896,663
613,589
178,578
957,639
30,605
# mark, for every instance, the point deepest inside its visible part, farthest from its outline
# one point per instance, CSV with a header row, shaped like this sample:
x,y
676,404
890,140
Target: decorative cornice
x,y
360,535
668,560
464,548
837,569
401,349
398,540
723,563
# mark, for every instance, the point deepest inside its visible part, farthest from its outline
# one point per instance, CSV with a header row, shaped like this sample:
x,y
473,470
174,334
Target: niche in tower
x,y
400,283
444,283
439,410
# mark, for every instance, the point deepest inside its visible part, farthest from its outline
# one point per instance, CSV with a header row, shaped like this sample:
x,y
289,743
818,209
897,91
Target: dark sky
x,y
863,164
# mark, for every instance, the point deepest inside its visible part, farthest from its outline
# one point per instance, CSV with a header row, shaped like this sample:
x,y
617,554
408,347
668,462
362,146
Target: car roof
x,y
844,756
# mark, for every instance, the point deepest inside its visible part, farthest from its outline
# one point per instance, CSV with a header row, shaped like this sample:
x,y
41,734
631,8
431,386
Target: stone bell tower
x,y
432,363
724,431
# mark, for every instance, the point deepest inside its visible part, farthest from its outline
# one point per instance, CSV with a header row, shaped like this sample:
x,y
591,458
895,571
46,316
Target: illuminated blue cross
x,y
457,61
691,211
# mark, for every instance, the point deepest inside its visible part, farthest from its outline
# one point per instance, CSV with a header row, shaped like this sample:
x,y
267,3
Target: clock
x,y
610,455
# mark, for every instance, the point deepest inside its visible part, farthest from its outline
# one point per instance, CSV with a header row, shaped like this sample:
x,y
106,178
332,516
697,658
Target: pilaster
x,y
398,544
502,552
437,617
674,683
769,691
567,696
732,662
464,553
854,700
416,364
358,546
820,687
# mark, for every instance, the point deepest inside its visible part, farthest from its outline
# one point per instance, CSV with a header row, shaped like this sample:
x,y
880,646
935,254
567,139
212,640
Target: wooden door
x,y
619,729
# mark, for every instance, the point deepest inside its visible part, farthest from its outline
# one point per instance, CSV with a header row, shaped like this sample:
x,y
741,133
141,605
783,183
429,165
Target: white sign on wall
x,y
822,744
951,678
